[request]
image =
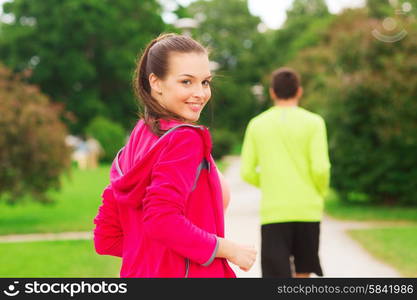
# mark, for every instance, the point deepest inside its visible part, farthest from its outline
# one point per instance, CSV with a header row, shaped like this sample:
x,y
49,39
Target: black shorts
x,y
290,247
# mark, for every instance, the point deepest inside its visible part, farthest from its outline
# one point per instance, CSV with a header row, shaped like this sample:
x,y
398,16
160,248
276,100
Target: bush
x,y
223,142
33,153
374,146
110,135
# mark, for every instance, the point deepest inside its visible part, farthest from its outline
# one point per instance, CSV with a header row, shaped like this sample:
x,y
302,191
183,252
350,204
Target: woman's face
x,y
185,90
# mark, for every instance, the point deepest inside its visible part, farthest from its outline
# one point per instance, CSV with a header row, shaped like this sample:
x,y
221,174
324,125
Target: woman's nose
x,y
199,92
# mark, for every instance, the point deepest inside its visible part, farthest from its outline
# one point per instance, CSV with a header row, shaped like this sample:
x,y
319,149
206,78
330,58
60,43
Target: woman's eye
x,y
187,82
206,83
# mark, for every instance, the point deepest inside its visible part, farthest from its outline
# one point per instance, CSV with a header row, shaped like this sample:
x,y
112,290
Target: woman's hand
x,y
242,256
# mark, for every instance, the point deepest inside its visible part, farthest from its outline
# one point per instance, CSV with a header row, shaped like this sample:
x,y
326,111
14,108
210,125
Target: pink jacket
x,y
163,209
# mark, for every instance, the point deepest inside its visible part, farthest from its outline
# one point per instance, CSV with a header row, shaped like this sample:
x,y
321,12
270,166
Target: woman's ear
x,y
155,83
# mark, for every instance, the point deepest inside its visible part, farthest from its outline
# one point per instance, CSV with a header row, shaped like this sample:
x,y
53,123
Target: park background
x,y
66,70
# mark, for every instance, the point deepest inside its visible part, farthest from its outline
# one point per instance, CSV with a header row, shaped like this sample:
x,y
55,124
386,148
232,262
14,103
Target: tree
x,y
302,9
304,27
379,9
366,89
33,153
81,52
226,27
231,33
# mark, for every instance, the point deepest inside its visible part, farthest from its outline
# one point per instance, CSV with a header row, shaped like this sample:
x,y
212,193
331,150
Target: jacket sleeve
x,y
319,158
164,204
108,234
249,159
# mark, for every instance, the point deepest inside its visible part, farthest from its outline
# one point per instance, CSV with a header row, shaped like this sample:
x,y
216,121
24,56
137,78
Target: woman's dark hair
x,y
155,59
285,83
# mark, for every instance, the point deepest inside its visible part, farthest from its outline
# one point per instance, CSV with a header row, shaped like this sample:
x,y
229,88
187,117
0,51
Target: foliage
x,y
81,52
301,9
367,95
232,105
223,141
378,8
306,23
110,135
227,28
33,152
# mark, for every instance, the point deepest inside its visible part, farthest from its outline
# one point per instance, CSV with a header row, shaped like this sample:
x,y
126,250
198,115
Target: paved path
x,y
18,238
340,255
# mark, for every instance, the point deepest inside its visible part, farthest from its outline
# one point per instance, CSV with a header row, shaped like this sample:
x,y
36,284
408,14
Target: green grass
x,y
75,258
393,240
363,212
396,246
75,206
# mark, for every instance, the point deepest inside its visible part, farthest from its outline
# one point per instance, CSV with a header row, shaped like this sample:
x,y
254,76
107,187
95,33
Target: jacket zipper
x,y
187,267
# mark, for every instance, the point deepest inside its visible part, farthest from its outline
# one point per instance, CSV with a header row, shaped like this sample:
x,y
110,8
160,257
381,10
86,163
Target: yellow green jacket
x,y
285,154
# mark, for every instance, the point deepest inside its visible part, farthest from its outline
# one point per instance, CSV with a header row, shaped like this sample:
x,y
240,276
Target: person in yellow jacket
x,y
285,154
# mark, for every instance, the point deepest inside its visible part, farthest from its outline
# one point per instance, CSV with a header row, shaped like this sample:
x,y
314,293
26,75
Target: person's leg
x,y
275,250
302,275
306,249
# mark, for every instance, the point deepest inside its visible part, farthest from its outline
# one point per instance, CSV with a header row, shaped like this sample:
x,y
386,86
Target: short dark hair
x,y
285,83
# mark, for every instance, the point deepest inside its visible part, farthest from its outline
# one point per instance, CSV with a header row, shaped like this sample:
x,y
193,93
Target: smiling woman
x,y
181,93
172,74
163,211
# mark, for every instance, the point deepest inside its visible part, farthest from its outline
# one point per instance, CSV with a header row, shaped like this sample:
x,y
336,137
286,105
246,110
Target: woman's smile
x,y
195,106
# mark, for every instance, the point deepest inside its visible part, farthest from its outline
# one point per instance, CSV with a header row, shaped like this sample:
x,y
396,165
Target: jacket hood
x,y
130,172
